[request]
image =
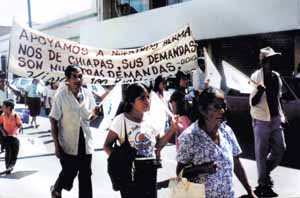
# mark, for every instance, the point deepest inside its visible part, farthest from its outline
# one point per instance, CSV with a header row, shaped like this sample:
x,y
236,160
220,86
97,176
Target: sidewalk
x,y
37,169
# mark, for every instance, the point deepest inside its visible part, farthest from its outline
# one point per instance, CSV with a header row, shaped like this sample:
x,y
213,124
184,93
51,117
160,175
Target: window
x,y
170,2
162,3
134,6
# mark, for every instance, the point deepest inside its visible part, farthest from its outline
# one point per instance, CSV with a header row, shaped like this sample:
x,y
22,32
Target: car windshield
x,y
25,82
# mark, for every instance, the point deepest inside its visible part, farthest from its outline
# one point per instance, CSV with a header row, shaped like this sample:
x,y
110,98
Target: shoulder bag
x,y
119,163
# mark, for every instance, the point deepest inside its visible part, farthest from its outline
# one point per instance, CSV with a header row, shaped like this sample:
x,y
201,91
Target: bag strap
x,y
189,165
126,136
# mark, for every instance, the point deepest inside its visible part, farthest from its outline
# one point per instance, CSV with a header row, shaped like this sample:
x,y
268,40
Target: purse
x,y
180,187
119,164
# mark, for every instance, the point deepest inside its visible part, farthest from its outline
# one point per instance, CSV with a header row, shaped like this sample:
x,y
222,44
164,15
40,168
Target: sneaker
x,y
264,191
54,193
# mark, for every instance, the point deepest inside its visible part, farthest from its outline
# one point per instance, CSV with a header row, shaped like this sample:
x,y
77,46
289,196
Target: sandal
x,y
54,194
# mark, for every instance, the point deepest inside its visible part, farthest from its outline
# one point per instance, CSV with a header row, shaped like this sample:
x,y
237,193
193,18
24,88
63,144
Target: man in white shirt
x,y
267,114
198,77
73,108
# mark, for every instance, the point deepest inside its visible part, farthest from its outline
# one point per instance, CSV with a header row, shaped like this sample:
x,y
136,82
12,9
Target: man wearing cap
x,y
267,115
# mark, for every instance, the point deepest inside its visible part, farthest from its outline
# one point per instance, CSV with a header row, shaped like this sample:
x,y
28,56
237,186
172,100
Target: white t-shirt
x,y
198,79
141,136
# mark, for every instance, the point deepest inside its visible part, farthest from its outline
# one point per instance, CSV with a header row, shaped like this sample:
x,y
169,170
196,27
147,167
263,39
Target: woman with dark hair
x,y
34,101
211,145
160,85
141,136
181,107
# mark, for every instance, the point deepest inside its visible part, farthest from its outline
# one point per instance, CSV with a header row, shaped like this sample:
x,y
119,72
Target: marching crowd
x,y
207,149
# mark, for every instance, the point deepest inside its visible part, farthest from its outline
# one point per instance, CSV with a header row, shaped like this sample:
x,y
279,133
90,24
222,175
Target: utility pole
x,y
29,13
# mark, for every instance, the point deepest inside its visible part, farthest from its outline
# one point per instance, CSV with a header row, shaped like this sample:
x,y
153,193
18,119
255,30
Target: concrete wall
x,y
208,20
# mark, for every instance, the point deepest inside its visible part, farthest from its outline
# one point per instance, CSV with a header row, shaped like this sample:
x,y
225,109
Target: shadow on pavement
x,y
44,136
48,142
32,156
39,132
17,175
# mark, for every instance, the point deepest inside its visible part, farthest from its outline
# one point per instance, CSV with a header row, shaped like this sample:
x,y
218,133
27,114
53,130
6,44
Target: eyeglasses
x,y
220,106
77,76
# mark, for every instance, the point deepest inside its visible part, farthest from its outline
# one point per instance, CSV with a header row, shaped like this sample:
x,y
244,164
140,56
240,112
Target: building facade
x,y
232,31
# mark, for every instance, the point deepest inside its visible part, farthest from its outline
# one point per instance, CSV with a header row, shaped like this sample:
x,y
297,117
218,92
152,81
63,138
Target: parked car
x,y
22,85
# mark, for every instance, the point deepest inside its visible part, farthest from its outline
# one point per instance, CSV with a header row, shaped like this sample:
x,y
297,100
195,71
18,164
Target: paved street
x,y
37,169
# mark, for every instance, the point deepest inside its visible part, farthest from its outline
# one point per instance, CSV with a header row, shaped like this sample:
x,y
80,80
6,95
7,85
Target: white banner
x,y
236,79
212,75
37,55
157,114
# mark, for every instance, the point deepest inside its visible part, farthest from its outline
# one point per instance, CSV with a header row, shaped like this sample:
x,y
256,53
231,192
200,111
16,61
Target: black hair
x,y
180,75
202,100
157,81
70,69
182,104
9,103
132,92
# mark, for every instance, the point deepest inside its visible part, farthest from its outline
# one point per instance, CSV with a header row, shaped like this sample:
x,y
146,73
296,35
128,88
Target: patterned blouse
x,y
196,147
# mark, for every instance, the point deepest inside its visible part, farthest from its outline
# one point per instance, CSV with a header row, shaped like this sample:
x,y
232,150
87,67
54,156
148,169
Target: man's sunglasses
x,y
77,76
220,106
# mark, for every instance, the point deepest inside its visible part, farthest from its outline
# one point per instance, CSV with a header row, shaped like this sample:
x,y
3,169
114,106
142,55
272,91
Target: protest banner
x,y
37,55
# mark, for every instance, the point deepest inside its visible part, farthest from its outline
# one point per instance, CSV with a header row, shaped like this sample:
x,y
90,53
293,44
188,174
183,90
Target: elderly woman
x,y
211,146
141,136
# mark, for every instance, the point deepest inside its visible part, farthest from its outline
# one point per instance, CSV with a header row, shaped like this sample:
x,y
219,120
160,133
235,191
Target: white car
x,y
22,85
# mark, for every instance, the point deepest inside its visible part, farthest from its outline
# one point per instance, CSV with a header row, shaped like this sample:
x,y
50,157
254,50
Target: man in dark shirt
x,y
267,115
